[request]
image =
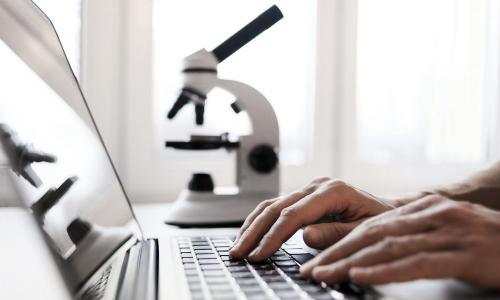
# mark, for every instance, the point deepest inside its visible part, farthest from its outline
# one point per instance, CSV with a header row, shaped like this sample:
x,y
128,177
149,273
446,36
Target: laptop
x,y
67,182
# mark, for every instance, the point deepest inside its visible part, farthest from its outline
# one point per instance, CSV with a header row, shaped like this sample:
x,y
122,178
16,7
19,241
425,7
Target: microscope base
x,y
197,209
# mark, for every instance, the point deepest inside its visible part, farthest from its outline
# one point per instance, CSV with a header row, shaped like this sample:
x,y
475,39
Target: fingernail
x,y
254,255
233,251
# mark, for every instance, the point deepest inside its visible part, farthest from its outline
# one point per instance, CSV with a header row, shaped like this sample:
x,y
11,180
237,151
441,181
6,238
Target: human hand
x,y
430,238
275,221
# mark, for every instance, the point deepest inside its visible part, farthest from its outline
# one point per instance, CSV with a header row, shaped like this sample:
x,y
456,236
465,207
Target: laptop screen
x,y
59,165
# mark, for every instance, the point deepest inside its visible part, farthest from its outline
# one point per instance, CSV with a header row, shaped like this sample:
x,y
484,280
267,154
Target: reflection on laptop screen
x,y
74,191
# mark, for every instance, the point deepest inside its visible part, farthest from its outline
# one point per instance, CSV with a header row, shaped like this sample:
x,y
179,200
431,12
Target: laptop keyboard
x,y
212,275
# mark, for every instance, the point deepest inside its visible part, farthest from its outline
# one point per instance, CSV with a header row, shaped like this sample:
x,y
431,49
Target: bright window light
x,y
423,93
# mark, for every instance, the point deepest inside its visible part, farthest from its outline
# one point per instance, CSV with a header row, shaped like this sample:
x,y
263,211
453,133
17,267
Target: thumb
x,y
321,236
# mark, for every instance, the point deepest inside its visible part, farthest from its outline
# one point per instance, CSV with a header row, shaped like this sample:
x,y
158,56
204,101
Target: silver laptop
x,y
68,183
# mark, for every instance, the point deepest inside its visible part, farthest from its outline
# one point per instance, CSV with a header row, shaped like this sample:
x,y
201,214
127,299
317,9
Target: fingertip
x,y
255,255
311,236
319,273
305,270
234,252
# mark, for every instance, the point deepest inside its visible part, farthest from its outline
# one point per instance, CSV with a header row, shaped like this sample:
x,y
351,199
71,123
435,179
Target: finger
x,y
321,236
263,221
292,218
419,266
387,250
260,225
251,217
365,235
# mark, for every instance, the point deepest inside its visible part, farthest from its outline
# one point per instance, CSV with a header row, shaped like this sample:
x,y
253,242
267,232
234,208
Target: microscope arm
x,y
260,112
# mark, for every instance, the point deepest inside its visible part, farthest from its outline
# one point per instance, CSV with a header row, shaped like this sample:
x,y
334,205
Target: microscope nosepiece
x,y
189,95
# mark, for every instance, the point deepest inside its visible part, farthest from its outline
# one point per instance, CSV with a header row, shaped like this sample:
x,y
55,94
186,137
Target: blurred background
x,y
390,95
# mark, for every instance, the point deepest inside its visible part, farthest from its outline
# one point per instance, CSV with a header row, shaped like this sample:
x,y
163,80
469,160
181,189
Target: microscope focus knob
x,y
201,182
263,159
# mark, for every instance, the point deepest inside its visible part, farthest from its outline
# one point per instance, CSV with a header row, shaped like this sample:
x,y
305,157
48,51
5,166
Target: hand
x,y
430,238
275,221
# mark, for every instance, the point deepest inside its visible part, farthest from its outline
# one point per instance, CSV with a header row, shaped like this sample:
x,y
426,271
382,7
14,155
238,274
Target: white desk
x,y
150,217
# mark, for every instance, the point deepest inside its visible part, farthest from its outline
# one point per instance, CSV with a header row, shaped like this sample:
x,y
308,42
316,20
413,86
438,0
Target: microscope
x,y
257,168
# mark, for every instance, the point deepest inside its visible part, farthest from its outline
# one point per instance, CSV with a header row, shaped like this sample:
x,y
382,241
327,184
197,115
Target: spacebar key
x,y
302,258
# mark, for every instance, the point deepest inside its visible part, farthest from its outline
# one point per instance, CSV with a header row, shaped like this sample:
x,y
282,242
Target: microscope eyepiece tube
x,y
260,24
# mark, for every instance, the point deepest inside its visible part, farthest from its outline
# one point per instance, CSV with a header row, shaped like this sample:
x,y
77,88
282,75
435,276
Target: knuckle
x,y
309,189
336,183
264,204
433,199
289,212
272,210
452,210
321,179
373,231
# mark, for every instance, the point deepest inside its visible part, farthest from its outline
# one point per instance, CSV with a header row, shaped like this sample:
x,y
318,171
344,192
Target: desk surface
x,y
151,216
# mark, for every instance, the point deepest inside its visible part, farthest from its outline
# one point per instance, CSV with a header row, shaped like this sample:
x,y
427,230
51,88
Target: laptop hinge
x,y
140,278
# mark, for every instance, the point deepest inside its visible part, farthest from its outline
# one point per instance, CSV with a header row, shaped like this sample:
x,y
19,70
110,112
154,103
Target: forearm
x,y
481,188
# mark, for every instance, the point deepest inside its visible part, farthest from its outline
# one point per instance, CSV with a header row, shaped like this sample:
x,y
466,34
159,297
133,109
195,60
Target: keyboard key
x,y
186,255
224,248
211,267
201,256
321,296
187,260
224,296
204,252
286,263
267,272
247,281
237,269
208,261
252,289
291,269
280,258
188,266
202,248
311,288
234,263
264,267
220,287
273,278
191,272
214,273
193,280
242,275
217,281
224,253
280,286
287,294
296,251
302,258
185,250
257,297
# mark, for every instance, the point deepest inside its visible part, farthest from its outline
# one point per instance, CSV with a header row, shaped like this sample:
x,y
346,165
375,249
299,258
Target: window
x,y
426,89
279,63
